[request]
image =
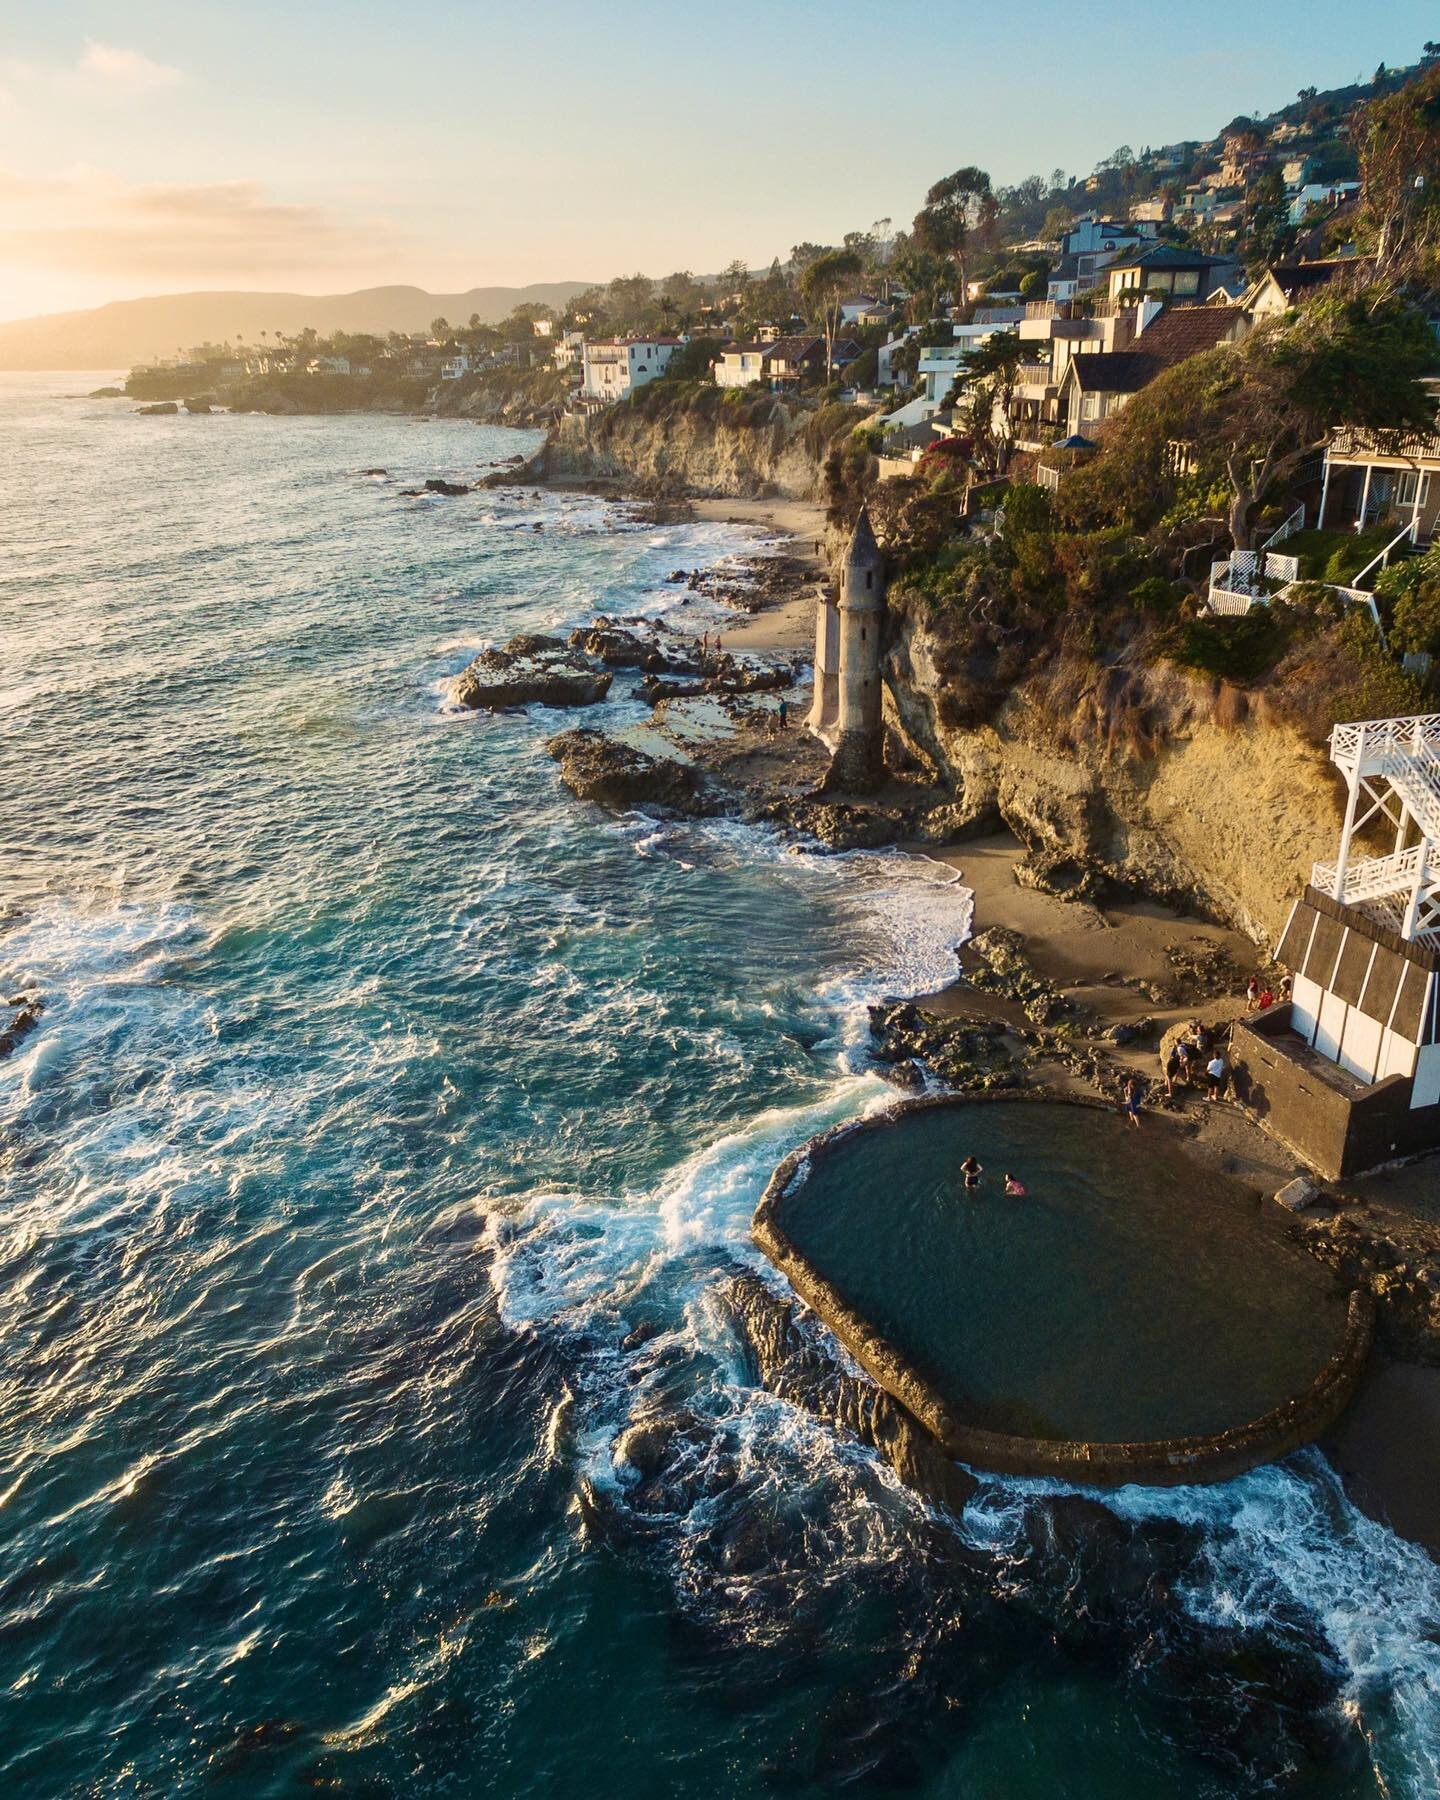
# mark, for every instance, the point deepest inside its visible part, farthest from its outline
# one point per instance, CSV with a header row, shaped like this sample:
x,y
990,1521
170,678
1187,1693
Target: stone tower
x,y
859,733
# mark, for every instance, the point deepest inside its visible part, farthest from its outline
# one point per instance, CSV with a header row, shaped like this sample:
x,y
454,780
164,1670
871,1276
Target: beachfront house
x,y
615,367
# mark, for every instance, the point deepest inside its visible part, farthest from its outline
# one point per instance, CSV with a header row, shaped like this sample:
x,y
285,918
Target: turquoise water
x,y
391,1126
1128,1295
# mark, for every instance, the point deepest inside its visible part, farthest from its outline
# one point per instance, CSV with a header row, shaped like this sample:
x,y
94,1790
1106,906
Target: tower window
x,y
869,578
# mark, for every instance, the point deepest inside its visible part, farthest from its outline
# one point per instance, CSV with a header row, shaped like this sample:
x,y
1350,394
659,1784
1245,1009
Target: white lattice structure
x,y
1392,768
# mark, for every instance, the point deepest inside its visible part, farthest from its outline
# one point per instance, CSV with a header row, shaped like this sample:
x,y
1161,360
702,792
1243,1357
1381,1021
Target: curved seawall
x,y
1213,1455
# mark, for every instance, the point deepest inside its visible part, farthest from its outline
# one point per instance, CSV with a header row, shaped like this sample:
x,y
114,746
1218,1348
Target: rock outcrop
x,y
24,1011
698,452
617,775
1224,811
532,670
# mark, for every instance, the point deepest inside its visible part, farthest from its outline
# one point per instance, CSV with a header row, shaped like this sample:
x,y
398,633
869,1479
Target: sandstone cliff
x,y
1219,807
701,453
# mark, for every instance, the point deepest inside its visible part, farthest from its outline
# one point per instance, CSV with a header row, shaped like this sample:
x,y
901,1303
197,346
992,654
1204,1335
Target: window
x,y
1187,281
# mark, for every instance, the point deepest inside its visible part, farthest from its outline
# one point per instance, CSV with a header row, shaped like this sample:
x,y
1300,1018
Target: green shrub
x,y
1156,595
1238,650
1416,624
1028,512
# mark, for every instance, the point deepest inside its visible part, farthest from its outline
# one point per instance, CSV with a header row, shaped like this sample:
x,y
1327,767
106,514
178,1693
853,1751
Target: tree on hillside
x,y
626,300
989,376
1058,221
958,211
1400,168
1247,416
823,286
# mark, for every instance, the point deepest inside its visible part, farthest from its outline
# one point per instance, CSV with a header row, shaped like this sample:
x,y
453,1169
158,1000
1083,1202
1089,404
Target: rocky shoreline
x,y
713,746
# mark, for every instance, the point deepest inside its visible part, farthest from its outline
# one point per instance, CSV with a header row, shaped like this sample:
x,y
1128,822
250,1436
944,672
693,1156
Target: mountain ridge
x,y
122,333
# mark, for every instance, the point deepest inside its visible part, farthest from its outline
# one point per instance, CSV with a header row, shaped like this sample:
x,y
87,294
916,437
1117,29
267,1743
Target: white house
x,y
454,367
741,365
857,304
885,371
328,365
616,366
568,350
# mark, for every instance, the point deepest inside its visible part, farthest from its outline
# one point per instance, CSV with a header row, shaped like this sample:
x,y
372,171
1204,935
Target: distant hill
x,y
132,331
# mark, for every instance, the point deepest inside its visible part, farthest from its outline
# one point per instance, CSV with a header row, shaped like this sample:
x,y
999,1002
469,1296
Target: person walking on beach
x,y
1217,1075
782,713
1014,1187
1131,1103
1176,1067
1252,993
972,1171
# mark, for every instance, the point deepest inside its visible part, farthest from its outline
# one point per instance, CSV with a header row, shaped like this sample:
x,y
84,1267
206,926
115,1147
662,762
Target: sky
x,y
159,146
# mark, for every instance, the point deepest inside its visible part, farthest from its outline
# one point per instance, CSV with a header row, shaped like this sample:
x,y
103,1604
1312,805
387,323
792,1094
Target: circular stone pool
x,y
1131,1298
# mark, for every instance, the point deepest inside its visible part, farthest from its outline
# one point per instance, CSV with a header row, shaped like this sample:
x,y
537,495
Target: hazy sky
x,y
149,146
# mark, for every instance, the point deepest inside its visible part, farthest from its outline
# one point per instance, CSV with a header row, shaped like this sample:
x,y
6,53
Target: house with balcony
x,y
1169,272
740,365
1096,386
1371,477
615,367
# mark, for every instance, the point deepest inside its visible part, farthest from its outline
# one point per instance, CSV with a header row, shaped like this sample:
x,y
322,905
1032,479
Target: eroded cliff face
x,y
700,454
1228,812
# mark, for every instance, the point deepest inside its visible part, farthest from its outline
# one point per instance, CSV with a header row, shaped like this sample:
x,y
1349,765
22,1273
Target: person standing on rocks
x,y
1217,1075
1252,993
782,712
1131,1103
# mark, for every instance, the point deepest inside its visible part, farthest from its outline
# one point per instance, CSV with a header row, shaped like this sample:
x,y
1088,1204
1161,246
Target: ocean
x,y
390,1132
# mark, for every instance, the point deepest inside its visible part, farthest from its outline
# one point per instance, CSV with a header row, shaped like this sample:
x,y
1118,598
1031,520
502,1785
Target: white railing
x,y
1287,529
1417,735
1049,479
1382,561
1231,600
1030,375
1372,877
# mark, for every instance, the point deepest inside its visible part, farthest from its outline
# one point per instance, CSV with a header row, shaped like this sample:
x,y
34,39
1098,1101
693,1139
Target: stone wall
x,y
1169,1462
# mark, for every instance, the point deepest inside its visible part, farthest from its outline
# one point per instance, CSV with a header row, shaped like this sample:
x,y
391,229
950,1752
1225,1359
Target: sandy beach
x,y
787,629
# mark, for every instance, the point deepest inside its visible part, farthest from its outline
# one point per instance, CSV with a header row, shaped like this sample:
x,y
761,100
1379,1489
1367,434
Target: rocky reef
x,y
617,775
532,670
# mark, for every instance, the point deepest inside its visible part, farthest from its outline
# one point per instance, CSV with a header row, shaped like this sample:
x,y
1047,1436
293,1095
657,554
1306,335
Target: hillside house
x,y
1284,285
615,367
1320,196
1170,273
740,365
1375,477
1095,386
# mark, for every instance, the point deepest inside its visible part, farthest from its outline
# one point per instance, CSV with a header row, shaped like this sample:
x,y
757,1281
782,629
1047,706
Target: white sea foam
x,y
1282,1538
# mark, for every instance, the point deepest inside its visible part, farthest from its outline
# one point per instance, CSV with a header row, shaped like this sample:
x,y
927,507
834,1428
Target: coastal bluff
x,y
1213,804
707,453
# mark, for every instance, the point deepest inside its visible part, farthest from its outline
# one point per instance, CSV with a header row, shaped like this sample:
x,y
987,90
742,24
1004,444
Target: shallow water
x,y
1128,1295
381,1094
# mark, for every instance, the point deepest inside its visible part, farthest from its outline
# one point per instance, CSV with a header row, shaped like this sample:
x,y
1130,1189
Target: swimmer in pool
x,y
972,1171
1012,1186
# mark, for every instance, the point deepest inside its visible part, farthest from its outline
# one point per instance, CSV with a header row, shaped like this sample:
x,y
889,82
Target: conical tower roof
x,y
864,552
